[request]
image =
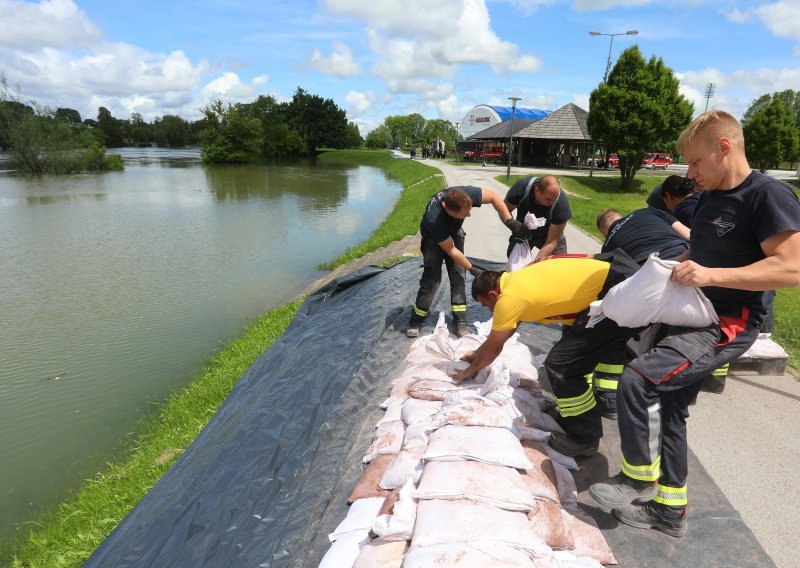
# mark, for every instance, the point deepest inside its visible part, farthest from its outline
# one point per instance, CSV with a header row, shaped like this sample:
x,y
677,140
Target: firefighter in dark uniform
x,y
443,241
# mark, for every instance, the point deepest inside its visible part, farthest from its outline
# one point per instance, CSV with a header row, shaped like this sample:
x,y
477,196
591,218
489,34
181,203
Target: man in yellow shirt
x,y
558,290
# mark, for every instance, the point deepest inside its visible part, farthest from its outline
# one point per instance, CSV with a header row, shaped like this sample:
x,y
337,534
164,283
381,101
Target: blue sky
x,y
376,58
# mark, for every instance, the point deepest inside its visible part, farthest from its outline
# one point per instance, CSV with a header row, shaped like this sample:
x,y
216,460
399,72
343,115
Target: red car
x,y
657,160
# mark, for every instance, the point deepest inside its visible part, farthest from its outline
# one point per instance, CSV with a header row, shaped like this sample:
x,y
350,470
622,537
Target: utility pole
x,y
709,93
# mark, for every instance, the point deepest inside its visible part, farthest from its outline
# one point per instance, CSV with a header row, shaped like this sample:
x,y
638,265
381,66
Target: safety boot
x,y
413,325
460,324
622,490
606,403
652,515
572,448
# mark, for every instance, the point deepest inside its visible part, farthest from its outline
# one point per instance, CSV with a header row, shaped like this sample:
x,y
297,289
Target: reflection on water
x,y
116,288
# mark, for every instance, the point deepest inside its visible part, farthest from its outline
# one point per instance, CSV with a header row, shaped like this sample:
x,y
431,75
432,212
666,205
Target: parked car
x,y
612,162
657,160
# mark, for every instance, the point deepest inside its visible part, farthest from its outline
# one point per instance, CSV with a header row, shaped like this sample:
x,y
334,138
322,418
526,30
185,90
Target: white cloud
x,y
357,103
586,5
49,23
781,18
260,80
340,63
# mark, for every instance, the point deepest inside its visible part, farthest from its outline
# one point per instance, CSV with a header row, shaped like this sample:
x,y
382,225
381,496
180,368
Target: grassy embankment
x,y
601,192
71,532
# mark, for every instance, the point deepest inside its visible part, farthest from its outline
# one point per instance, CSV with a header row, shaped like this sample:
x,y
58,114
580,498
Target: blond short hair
x,y
712,126
606,217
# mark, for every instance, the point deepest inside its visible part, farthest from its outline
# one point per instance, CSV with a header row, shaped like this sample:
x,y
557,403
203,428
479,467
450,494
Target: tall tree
x,y
318,121
771,136
112,129
68,115
353,139
640,109
789,98
380,137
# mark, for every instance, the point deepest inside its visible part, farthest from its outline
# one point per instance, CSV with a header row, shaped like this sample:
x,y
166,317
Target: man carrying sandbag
x,y
443,241
544,199
558,290
745,239
639,234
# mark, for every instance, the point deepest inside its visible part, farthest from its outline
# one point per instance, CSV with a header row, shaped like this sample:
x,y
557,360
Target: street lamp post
x,y
457,125
511,136
605,76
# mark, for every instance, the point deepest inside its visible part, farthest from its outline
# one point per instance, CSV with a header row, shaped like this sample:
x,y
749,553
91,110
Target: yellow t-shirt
x,y
551,291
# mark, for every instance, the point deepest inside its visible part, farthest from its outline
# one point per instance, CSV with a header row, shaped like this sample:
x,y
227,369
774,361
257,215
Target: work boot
x,y
653,515
606,403
622,490
714,384
572,448
460,324
413,326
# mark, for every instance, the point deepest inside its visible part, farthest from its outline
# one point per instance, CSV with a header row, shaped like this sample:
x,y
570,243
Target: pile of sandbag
x,y
460,474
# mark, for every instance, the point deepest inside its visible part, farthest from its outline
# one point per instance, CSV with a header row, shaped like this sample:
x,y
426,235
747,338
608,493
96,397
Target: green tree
x,y
140,131
172,131
112,129
638,110
68,115
278,139
381,137
319,121
231,135
353,138
789,98
771,136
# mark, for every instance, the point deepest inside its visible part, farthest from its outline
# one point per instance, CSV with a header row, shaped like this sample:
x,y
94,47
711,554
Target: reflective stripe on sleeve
x,y
610,369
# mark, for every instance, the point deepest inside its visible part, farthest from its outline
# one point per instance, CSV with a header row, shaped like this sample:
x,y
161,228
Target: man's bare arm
x,y
485,354
449,247
553,235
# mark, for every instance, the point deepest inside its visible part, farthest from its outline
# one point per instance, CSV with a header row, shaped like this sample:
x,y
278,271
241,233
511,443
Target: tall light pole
x,y
605,76
457,125
709,93
511,135
608,62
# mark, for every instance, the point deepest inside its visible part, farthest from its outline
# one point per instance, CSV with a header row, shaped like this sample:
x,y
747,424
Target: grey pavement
x,y
747,438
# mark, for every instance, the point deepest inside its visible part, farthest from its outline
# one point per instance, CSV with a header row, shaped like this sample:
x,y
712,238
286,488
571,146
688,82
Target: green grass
x,y
419,183
70,533
597,193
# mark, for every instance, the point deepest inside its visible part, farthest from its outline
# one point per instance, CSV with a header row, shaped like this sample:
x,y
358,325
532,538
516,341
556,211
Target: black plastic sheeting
x,y
268,478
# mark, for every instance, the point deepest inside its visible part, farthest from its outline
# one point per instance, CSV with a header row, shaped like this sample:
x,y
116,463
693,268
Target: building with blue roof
x,y
482,117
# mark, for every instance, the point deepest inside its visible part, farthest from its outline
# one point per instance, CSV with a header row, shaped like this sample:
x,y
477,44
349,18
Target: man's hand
x,y
517,228
475,271
463,374
690,274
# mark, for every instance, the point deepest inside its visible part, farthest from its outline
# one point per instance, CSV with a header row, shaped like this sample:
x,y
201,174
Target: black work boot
x,y
413,325
460,324
573,448
652,515
606,403
622,490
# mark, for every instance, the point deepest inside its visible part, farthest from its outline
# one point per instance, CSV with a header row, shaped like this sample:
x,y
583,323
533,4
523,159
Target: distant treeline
x,y
43,140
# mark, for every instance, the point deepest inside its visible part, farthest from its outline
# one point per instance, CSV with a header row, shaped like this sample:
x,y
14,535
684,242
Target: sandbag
x,y
399,524
381,553
408,463
478,411
521,256
359,517
541,477
496,446
494,485
388,440
651,296
474,524
367,485
549,524
345,550
416,410
429,389
589,541
464,556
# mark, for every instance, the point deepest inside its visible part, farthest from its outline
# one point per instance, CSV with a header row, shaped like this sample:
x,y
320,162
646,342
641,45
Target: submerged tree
x,y
231,135
638,110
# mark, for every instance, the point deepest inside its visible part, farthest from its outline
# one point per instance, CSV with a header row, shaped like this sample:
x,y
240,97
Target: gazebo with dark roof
x,y
559,139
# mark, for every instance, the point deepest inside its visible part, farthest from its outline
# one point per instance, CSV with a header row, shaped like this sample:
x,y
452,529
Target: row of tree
x,y
640,108
413,129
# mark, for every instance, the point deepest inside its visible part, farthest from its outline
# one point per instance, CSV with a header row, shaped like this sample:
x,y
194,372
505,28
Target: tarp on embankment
x,y
268,478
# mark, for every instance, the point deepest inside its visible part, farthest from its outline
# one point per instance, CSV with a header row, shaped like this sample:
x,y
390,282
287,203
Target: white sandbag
x,y
393,411
428,389
479,443
651,296
408,463
533,222
417,435
566,559
541,478
525,432
494,485
477,413
474,524
531,410
567,461
589,540
416,410
381,553
520,257
567,490
346,549
388,440
464,556
359,517
400,524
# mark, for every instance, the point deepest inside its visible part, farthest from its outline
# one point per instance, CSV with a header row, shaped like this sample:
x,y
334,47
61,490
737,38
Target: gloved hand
x,y
518,229
475,271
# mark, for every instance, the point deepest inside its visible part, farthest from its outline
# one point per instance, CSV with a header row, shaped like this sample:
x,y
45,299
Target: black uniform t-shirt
x,y
556,214
436,224
727,231
643,232
684,211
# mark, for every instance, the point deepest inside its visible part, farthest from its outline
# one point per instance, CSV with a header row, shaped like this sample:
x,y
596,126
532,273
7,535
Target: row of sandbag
x,y
461,474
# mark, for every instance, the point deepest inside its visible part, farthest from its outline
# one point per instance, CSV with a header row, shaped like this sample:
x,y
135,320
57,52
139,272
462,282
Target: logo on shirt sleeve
x,y
722,226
